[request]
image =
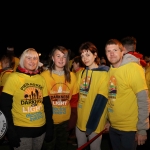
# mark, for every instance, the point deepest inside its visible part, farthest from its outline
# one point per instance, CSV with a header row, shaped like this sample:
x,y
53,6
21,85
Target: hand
x,y
107,125
140,139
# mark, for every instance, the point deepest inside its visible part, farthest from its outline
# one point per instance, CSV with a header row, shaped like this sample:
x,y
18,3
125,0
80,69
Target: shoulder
x,y
72,74
45,73
102,69
17,59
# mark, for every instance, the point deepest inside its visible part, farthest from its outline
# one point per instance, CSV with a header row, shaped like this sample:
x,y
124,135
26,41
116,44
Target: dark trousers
x,y
59,141
122,140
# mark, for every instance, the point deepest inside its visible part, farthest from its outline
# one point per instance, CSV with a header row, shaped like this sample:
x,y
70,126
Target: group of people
x,y
43,108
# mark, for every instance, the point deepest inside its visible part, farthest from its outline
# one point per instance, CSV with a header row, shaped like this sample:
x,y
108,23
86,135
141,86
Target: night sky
x,y
42,26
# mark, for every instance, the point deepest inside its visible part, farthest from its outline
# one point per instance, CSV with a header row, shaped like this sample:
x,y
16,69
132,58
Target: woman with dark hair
x,y
92,97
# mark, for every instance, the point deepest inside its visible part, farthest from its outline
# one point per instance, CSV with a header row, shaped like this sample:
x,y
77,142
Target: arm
x,y
49,120
73,116
6,106
96,113
143,116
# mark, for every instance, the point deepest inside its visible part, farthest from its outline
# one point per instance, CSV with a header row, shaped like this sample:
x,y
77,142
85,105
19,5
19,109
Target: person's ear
x,y
52,58
95,54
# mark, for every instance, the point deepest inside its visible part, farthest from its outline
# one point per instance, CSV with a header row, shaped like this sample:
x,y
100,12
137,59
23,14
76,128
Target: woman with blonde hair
x,y
26,105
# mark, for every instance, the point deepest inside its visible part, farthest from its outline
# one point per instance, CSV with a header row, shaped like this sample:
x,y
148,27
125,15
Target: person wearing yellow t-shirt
x,y
63,92
77,66
146,146
93,94
127,100
10,52
147,73
26,105
7,68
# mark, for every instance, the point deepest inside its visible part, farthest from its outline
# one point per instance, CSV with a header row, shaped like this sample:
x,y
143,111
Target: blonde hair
x,y
26,53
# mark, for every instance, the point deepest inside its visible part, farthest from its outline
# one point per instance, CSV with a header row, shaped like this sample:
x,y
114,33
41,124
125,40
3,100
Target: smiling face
x,y
88,58
59,59
114,54
31,61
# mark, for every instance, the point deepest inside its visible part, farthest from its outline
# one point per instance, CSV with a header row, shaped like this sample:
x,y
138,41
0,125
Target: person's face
x,y
31,62
59,59
4,64
114,55
75,66
88,58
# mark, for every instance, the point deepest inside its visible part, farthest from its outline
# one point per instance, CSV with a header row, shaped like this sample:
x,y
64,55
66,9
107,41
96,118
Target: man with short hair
x,y
129,46
128,98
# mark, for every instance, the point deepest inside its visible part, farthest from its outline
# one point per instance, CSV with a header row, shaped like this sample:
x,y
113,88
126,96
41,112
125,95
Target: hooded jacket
x,y
140,56
93,96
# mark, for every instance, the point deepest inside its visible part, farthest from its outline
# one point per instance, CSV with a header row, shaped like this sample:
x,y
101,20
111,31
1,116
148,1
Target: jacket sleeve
x,y
73,116
49,120
6,106
143,112
98,107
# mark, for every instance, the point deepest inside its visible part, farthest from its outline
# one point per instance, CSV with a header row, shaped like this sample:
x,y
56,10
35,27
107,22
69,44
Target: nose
x,y
61,58
83,58
32,60
111,53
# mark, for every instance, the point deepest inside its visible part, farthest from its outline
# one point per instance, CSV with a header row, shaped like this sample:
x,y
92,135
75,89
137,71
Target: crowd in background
x,y
70,98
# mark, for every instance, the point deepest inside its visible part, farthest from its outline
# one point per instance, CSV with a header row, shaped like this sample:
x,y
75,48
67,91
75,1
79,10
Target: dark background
x,y
42,25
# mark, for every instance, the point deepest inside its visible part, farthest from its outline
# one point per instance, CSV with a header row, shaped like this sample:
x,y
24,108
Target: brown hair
x,y
115,42
66,67
8,59
89,46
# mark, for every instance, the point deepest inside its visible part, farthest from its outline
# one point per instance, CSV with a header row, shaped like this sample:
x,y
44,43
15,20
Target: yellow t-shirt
x,y
4,75
124,83
91,84
77,73
60,93
28,92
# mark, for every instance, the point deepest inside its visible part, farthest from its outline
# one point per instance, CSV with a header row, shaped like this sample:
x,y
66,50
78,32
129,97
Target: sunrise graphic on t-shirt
x,y
112,90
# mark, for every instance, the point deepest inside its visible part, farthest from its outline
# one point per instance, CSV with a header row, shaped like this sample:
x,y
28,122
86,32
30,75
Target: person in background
x,y
10,53
128,112
0,67
26,105
7,65
147,59
93,94
77,65
147,73
103,61
63,92
71,56
7,68
146,146
129,46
